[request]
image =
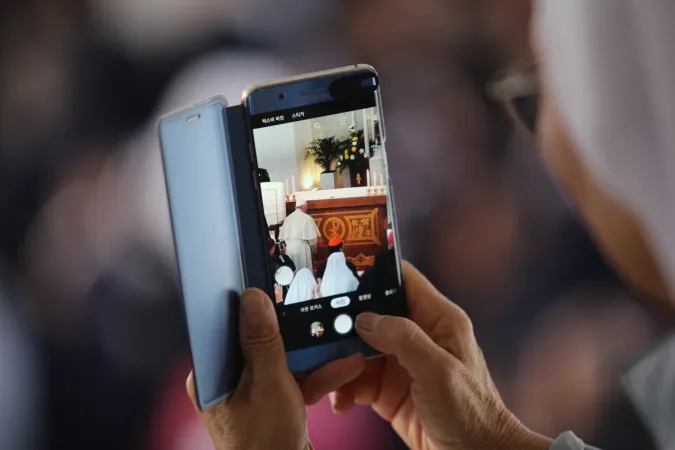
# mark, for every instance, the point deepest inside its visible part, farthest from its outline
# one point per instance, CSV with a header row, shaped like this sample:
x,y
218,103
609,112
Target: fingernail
x,y
367,321
339,404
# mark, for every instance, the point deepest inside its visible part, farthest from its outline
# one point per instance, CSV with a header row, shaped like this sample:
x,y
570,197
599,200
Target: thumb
x,y
402,338
192,393
261,342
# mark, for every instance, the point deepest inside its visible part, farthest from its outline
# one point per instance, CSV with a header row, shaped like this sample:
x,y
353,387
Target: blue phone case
x,y
202,201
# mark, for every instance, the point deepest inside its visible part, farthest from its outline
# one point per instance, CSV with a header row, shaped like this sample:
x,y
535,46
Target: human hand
x,y
278,293
317,290
433,384
268,408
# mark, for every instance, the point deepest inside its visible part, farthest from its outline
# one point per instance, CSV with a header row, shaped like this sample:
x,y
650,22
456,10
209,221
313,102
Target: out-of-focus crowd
x,y
93,348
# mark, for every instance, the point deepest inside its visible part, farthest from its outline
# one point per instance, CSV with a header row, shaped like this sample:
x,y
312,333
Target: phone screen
x,y
328,205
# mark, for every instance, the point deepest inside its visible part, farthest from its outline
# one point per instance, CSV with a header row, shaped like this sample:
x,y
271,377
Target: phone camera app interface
x,y
331,229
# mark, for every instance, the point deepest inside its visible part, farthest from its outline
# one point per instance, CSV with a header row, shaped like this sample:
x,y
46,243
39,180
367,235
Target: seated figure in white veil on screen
x,y
338,278
303,288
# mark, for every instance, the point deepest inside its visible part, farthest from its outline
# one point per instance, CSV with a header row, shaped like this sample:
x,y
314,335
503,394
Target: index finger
x,y
434,313
330,377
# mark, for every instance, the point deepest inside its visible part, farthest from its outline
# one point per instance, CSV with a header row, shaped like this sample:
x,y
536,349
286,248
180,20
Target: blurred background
x,y
93,351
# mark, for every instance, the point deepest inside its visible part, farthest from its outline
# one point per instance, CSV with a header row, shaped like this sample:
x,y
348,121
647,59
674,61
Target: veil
x,y
338,279
302,287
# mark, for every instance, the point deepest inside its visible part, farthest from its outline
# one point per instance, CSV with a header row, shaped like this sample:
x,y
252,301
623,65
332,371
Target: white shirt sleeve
x,y
650,385
568,441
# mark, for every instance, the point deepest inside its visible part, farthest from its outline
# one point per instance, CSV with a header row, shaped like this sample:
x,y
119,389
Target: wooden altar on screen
x,y
360,222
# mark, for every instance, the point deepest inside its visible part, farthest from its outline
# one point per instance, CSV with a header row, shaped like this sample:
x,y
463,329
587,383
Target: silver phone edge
x,y
306,76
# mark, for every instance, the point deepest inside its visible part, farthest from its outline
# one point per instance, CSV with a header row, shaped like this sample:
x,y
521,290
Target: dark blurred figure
x,y
378,277
282,257
263,176
274,261
77,78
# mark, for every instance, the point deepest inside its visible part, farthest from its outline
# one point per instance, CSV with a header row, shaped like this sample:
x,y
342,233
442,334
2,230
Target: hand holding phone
x,y
432,374
268,408
433,384
363,304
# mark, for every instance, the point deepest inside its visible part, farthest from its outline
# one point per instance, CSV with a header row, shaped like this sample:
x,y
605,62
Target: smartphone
x,y
202,201
320,140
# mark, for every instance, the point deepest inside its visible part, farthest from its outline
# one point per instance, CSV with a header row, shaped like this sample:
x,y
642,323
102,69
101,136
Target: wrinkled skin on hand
x,y
433,384
267,411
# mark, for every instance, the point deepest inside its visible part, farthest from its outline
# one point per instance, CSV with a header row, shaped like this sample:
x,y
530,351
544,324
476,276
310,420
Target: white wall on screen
x,y
276,152
281,149
303,136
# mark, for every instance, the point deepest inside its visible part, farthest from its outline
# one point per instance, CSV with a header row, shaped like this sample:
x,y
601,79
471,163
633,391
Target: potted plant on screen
x,y
325,152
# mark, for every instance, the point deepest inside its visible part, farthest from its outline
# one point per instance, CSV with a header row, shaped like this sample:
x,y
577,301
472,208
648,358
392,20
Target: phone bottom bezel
x,y
305,360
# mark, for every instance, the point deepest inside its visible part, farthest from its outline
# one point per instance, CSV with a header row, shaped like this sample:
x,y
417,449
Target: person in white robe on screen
x,y
300,233
338,278
303,287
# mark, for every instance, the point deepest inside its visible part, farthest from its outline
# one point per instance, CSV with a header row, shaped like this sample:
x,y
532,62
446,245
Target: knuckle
x,y
399,328
409,336
456,336
409,329
464,325
262,344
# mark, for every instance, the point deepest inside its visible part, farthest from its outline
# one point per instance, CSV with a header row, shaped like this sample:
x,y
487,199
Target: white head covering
x,y
302,287
300,202
611,64
338,279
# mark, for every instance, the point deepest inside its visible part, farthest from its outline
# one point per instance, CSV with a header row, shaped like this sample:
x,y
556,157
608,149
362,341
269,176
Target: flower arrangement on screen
x,y
353,153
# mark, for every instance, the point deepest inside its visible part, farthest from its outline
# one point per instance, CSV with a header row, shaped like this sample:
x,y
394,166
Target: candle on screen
x,y
287,190
293,181
381,180
374,179
368,178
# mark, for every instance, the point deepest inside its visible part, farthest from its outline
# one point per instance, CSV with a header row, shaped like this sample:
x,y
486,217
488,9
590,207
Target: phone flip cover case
x,y
204,218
